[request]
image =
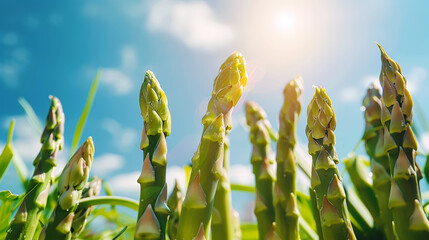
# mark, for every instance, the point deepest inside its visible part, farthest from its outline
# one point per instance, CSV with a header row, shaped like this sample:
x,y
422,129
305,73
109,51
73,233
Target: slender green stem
x,y
223,222
108,200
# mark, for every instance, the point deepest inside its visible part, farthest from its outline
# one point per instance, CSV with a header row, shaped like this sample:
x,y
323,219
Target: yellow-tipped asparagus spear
x,y
39,185
153,188
400,145
72,181
287,222
325,178
262,160
207,163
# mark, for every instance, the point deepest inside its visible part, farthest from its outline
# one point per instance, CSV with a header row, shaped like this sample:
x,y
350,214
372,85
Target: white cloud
x,y
10,39
424,141
193,22
415,79
26,140
125,183
123,137
91,9
107,163
241,174
350,94
371,79
11,68
118,79
175,173
118,82
128,57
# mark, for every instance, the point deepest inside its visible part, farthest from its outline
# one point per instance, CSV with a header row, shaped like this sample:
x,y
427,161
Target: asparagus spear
x,y
153,189
174,203
92,189
222,224
207,163
262,161
287,222
72,181
374,141
39,185
401,146
325,178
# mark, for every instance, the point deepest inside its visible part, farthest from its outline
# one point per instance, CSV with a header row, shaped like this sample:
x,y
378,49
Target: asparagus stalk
x,y
374,145
207,163
72,181
262,160
153,189
222,224
401,146
92,189
174,203
287,222
325,178
26,220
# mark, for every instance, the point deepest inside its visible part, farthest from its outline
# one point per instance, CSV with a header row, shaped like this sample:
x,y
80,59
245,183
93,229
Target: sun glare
x,y
285,23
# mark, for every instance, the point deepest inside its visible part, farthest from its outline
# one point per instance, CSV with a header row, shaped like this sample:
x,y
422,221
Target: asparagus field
x,y
378,196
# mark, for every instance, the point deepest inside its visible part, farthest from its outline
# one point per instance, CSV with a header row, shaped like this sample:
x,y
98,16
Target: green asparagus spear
x,y
174,203
401,146
262,160
92,189
222,224
207,163
287,222
72,181
39,185
153,189
325,178
374,145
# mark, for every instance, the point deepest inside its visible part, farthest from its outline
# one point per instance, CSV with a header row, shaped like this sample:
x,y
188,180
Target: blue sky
x,y
56,48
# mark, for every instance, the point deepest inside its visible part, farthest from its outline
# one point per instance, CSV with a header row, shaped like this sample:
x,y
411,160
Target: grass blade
x,y
34,120
79,128
120,233
242,188
20,169
7,154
